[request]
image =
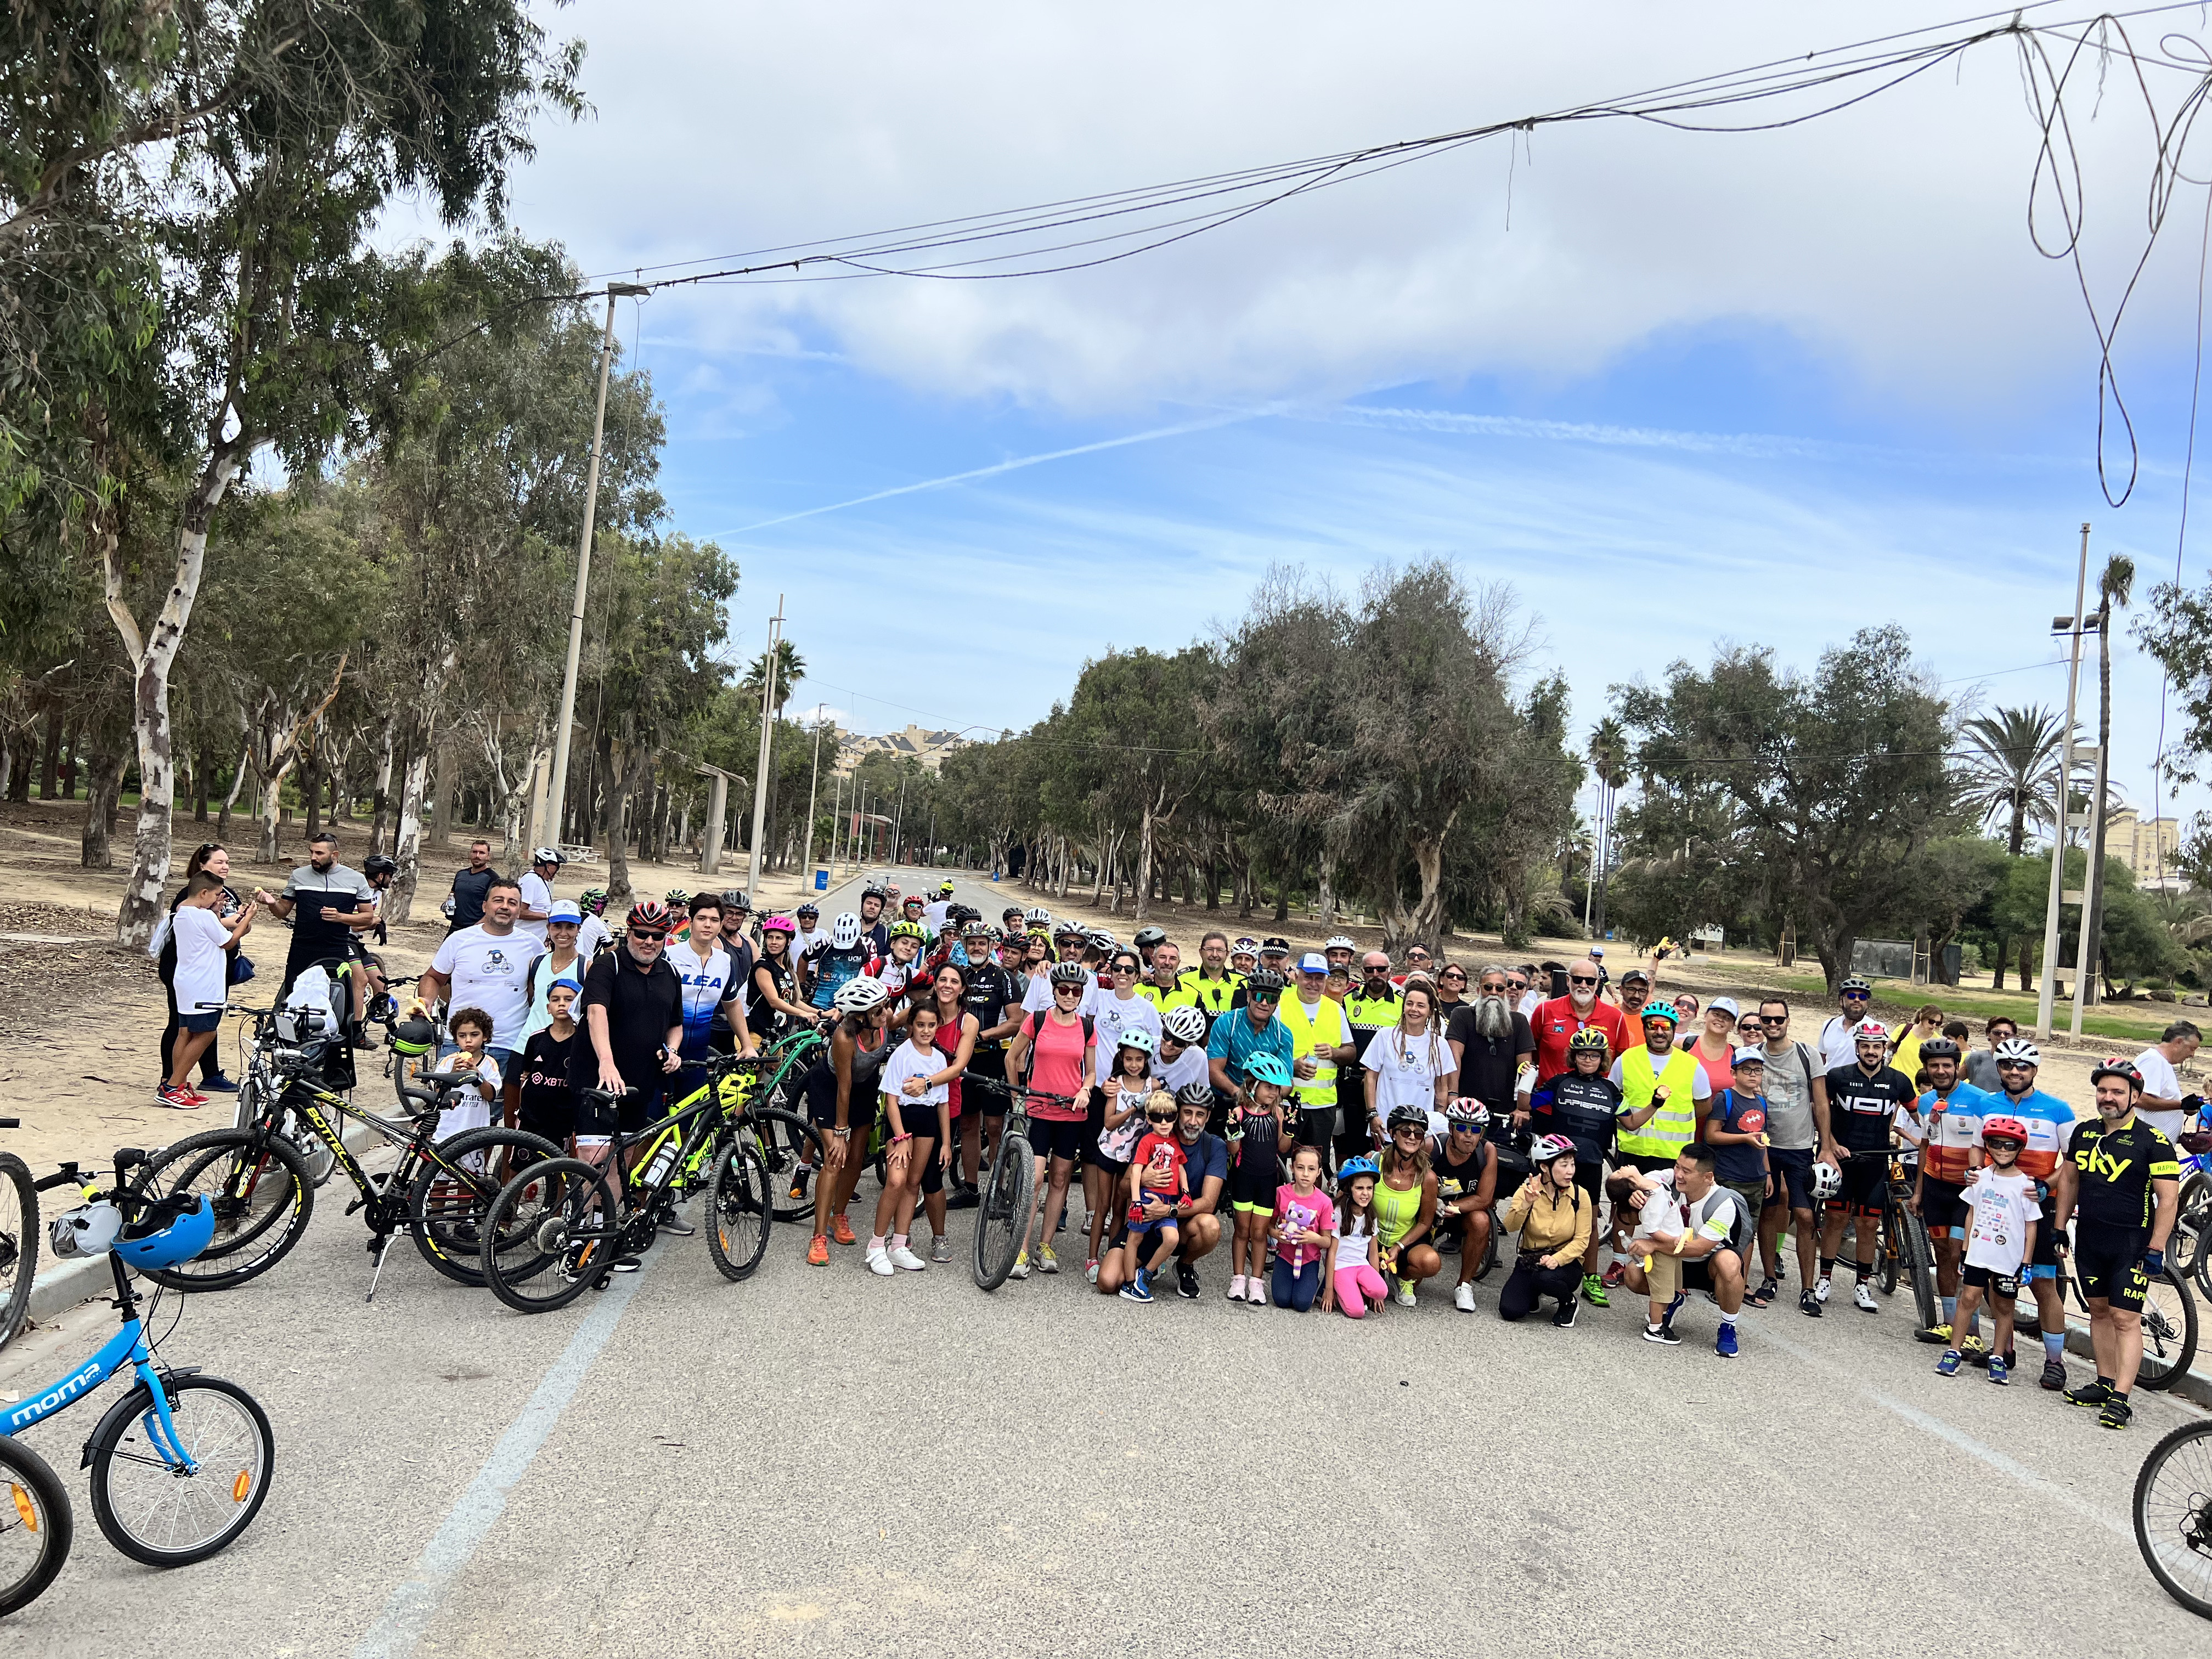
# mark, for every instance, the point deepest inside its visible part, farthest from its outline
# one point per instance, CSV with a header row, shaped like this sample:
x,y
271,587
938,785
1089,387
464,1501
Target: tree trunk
x,y
1327,895
101,798
383,819
202,767
311,788
622,783
407,828
1282,900
237,782
1997,979
1402,926
443,793
49,762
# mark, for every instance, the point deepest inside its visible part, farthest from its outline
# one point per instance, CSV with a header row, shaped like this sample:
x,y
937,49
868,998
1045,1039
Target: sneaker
x,y
797,1193
1564,1319
1949,1363
1236,1287
1862,1298
1820,1288
1767,1291
1673,1308
1136,1290
1255,1291
670,1224
962,1197
2054,1374
1186,1281
1808,1304
818,1253
879,1261
1999,1372
217,1085
1463,1299
1594,1291
1021,1267
1940,1335
625,1264
902,1255
181,1100
1047,1261
842,1230
1662,1333
1614,1273
1724,1344
2094,1392
941,1249
1090,1271
1405,1298
2116,1414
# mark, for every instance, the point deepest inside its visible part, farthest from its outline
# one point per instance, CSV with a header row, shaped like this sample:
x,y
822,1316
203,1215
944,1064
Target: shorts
x,y
1793,1173
1865,1174
1942,1207
1989,1279
1589,1175
2043,1263
646,1105
1753,1192
1135,1224
2108,1264
1670,1275
555,1127
820,1088
1316,1125
1051,1138
1114,1167
208,1020
1252,1184
986,1103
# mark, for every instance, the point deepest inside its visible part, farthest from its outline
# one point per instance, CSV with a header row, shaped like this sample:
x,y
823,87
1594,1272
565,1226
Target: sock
x,y
875,1241
2054,1345
2105,1384
898,1240
1950,1308
1828,1267
1863,1269
1727,1320
2120,1395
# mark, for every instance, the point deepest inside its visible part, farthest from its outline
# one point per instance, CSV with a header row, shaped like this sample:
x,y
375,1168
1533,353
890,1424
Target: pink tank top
x,y
1057,1066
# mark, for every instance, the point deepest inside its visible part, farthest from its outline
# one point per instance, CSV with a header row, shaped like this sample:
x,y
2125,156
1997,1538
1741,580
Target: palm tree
x,y
790,669
2010,770
1609,753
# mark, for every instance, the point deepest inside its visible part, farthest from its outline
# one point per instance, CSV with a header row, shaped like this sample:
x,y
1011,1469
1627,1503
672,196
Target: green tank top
x,y
1395,1212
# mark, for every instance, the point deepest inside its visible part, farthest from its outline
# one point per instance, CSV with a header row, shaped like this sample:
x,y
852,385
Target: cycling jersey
x,y
1584,1110
2117,1167
760,1015
1951,1131
1236,1042
1862,1108
832,969
896,976
707,985
990,991
1458,1181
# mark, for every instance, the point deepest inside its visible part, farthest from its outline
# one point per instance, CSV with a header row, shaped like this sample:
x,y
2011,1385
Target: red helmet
x,y
649,913
2117,1066
2005,1128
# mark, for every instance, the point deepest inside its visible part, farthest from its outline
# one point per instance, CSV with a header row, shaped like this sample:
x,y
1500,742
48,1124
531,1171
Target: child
x,y
917,1107
546,1105
1355,1280
1157,1174
472,1106
1736,1131
2000,1236
1259,1139
201,981
1305,1231
1117,1104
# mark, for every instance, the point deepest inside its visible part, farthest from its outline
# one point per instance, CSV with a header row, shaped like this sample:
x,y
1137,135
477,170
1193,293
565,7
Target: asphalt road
x,y
820,1460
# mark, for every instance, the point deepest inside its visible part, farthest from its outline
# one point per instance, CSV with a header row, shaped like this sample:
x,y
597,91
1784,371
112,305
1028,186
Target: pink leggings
x,y
1357,1286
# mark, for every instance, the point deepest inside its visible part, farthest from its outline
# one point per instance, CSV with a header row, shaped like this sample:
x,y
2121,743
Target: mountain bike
x,y
1903,1254
18,1238
790,1147
2173,1516
179,1465
1007,1202
2192,1226
567,1225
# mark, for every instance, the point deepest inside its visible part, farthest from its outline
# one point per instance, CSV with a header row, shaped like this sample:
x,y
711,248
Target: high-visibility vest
x,y
1675,1125
1211,996
1181,996
1325,1030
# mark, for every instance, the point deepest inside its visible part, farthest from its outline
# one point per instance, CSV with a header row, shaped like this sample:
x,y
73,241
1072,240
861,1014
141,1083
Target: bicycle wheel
x,y
148,1506
1920,1262
2173,1516
262,1196
35,1528
738,1210
2169,1330
1489,1252
550,1234
313,1150
2192,1218
790,1154
445,1211
19,1244
1002,1211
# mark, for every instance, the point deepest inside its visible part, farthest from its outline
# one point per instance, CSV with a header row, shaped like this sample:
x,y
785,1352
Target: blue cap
x,y
1313,962
564,910
570,983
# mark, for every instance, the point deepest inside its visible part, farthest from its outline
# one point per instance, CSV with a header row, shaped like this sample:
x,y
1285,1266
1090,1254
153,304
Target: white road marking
x,y
415,1602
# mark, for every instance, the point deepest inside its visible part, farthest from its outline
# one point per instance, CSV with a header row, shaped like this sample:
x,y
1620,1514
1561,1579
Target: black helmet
x,y
377,864
872,891
1148,937
1194,1094
1939,1048
1264,981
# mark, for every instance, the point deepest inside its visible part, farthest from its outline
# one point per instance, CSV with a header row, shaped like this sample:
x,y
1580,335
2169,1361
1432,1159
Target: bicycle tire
x,y
322,1162
1489,1252
18,1244
551,1253
2169,1328
233,1445
447,1216
41,1509
738,1212
1002,1211
254,1231
1920,1260
2187,1520
2193,1216
788,1143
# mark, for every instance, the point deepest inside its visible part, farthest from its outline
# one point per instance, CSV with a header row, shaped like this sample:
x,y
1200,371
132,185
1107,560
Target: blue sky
x,y
1767,389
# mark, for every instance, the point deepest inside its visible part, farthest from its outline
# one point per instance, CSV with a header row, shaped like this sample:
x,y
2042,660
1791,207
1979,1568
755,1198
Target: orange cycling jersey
x,y
1953,1131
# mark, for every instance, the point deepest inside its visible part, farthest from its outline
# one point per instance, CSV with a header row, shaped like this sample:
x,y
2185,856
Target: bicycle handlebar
x,y
1012,1091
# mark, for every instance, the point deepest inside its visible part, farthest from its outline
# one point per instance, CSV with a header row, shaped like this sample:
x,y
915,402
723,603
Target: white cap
x,y
1750,1054
1723,1006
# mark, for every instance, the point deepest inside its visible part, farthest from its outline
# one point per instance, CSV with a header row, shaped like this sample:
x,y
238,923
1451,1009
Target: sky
x,y
1676,388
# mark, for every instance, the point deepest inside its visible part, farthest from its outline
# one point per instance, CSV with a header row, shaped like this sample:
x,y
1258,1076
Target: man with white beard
x,y
1558,1019
1492,1046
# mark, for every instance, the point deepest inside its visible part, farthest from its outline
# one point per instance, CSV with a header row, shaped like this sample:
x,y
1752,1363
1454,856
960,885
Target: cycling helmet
x,y
376,864
675,896
1870,1030
1340,942
735,898
2004,1129
945,889
1195,1094
1038,912
1270,1068
88,1230
872,891
1939,1048
593,899
449,909
1185,1024
1549,1149
909,930
1099,938
1405,1114
912,901
2119,1066
1466,1112
1588,1039
857,996
977,928
1067,973
414,1038
1857,983
1827,1182
1661,1011
778,924
805,910
1068,929
1148,937
168,1231
1245,946
547,855
845,932
1264,983
2019,1048
1353,1168
1138,1037
645,914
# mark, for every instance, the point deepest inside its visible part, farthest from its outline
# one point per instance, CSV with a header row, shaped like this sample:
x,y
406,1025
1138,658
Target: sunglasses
x,y
1775,1019
1067,990
1264,1000
1855,996
1410,1129
1516,984
638,936
1580,979
1418,956
1159,1117
2014,1065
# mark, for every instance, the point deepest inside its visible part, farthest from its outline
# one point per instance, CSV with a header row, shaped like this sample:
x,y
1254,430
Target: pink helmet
x,y
778,924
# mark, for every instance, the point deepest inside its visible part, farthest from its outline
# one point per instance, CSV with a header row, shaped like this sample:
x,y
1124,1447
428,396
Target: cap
x,y
1313,962
1723,1006
1748,1055
1274,946
1636,976
564,910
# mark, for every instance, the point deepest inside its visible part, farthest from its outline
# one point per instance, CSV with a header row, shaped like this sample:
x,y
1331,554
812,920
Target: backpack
x,y
1036,1023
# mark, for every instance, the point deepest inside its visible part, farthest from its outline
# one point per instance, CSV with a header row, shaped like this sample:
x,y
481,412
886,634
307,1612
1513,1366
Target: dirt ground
x,y
84,1018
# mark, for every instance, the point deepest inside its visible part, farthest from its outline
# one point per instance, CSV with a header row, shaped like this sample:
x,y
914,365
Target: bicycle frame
x,y
127,1347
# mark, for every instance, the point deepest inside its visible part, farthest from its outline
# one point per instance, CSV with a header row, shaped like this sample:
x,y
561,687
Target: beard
x,y
1493,1018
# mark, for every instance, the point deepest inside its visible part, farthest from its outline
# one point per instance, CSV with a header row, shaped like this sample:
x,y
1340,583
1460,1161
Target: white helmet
x,y
547,855
1870,1030
857,996
1184,1023
845,932
1827,1182
1338,942
1038,912
1546,1149
2019,1048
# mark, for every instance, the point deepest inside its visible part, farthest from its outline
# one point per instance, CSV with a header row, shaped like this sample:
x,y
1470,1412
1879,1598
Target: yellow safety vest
x,y
1675,1125
1181,997
1213,996
1326,1030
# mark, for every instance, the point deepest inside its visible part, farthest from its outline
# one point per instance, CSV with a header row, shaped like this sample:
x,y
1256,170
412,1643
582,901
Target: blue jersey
x,y
1236,1042
707,985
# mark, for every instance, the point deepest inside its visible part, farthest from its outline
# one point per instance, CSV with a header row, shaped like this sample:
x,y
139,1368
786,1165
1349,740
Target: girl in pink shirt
x,y
1353,1281
1304,1226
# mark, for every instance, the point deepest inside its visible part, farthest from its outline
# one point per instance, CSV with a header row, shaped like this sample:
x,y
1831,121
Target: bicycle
x,y
180,1465
567,1225
1905,1252
2168,1318
1008,1199
790,1147
2173,1516
18,1238
264,1193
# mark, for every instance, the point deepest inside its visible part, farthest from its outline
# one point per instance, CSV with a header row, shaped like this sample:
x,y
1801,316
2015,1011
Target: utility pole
x,y
2064,816
558,793
806,861
768,736
2085,945
898,819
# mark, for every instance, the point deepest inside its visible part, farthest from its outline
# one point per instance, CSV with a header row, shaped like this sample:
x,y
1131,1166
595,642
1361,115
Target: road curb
x,y
66,1284
2193,1386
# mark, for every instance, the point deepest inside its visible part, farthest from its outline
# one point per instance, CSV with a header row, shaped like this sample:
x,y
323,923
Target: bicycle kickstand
x,y
383,1245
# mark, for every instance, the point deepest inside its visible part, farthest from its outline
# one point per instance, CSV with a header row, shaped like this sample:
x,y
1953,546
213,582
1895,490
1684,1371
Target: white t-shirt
x,y
1838,1046
535,896
469,1109
2160,1079
490,972
592,936
918,1116
2002,1208
1110,1016
540,1015
1527,1006
202,975
932,915
1351,1246
802,941
1405,1072
1185,1069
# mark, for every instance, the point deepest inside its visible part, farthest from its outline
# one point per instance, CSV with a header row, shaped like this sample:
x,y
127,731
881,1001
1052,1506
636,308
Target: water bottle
x,y
664,1160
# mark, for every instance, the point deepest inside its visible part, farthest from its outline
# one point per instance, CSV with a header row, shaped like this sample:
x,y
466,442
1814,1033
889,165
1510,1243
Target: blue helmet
x,y
1269,1068
1353,1168
171,1231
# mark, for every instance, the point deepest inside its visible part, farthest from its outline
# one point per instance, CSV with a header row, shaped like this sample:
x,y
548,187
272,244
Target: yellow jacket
x,y
1556,1227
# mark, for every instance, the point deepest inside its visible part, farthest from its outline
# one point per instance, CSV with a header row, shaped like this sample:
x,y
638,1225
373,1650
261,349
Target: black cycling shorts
x,y
1989,1279
2108,1264
820,1087
1316,1127
1049,1139
1864,1176
988,1102
1942,1207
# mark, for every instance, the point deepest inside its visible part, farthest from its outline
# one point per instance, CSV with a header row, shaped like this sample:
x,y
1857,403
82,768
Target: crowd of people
x,y
1344,1122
